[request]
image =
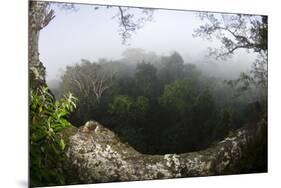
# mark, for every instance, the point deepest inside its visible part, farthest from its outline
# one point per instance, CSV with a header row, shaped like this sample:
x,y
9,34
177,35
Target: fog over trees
x,y
203,83
75,35
164,81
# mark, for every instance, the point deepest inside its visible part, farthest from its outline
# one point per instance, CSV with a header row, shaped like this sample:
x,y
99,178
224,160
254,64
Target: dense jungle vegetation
x,y
158,104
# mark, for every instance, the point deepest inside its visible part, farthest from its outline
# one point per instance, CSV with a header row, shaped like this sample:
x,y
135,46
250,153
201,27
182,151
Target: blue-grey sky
x,y
93,34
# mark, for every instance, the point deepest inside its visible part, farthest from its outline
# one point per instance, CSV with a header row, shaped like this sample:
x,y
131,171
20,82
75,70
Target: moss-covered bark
x,y
99,156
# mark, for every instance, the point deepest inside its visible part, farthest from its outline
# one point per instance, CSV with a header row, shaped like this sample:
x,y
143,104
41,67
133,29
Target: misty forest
x,y
162,108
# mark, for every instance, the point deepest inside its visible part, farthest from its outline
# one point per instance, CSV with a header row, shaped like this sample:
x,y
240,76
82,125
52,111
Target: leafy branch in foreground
x,y
47,119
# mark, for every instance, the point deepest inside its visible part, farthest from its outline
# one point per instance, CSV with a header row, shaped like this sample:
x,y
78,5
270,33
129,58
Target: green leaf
x,y
46,146
62,144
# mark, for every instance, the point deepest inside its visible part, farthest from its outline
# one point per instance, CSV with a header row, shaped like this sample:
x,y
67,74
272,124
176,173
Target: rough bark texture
x,y
99,156
39,17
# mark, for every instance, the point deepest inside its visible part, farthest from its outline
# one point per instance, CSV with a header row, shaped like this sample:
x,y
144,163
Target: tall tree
x,y
87,80
179,97
172,68
40,15
234,32
145,77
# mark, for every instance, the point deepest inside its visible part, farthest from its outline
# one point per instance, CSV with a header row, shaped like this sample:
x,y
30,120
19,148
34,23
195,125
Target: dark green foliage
x,y
144,104
47,120
225,124
129,110
142,107
172,68
122,107
204,105
179,97
146,79
163,107
254,154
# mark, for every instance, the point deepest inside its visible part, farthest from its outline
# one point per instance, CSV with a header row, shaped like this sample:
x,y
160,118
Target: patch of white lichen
x,y
99,156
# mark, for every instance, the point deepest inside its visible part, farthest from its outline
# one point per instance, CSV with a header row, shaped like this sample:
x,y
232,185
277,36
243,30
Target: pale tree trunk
x,y
39,17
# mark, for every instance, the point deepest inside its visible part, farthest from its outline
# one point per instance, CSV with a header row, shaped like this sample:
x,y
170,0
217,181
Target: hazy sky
x,y
93,34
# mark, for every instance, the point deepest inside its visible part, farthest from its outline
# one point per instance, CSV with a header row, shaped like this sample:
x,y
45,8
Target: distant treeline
x,y
158,104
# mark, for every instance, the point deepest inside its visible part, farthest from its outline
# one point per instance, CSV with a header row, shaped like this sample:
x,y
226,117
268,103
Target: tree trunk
x,y
99,156
39,17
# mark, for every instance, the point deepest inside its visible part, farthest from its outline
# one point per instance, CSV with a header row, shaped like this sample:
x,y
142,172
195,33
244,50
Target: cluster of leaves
x,y
255,81
47,120
130,19
128,22
179,96
126,108
233,31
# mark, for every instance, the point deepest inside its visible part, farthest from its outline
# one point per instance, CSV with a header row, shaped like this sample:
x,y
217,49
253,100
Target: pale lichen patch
x,y
100,157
